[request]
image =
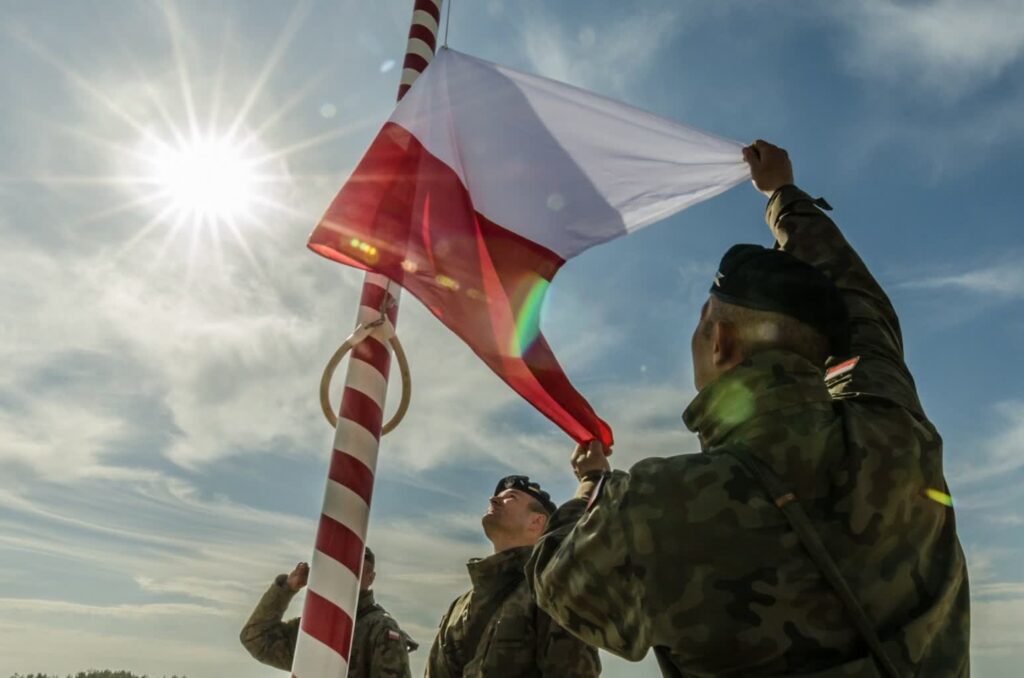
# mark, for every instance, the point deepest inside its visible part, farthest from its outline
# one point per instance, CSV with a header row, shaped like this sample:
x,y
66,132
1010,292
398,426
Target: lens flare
x,y
528,319
939,497
206,178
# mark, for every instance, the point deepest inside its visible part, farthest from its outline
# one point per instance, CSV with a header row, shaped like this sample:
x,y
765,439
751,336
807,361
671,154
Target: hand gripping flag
x,y
485,180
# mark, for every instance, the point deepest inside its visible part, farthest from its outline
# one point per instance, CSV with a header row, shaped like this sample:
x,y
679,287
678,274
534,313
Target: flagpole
x,y
328,618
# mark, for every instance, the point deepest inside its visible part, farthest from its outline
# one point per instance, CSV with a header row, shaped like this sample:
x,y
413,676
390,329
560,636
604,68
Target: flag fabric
x,y
485,180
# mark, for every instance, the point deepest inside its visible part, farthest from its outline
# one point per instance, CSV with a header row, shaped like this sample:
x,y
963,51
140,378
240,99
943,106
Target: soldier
x,y
495,629
814,534
379,647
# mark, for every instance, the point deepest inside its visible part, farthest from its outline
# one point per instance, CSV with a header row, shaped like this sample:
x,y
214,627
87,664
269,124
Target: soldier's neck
x,y
503,543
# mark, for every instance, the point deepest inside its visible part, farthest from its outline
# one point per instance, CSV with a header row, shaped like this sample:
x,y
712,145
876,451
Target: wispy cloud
x,y
123,612
996,625
1003,452
604,54
1002,281
1008,589
948,47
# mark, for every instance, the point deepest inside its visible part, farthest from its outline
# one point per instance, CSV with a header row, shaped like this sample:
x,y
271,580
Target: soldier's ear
x,y
724,342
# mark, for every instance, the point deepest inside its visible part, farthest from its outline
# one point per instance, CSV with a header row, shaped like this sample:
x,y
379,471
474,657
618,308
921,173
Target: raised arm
x,y
801,228
267,638
583,571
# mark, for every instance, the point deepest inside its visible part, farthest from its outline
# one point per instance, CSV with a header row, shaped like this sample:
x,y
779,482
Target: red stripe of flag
x,y
340,543
352,473
328,623
358,407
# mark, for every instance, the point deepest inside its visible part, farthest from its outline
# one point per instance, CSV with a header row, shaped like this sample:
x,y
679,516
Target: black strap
x,y
665,663
801,524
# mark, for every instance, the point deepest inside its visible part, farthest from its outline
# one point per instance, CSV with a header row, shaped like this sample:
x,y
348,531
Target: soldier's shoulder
x,y
701,483
387,629
681,468
378,616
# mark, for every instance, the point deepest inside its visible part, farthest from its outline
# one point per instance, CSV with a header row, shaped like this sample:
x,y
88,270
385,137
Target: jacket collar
x,y
762,384
366,601
499,570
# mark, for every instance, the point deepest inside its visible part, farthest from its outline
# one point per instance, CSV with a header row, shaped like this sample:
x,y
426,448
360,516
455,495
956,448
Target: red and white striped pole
x,y
328,620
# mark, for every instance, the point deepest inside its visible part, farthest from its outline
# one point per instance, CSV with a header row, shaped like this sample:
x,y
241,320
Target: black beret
x,y
524,484
772,280
369,557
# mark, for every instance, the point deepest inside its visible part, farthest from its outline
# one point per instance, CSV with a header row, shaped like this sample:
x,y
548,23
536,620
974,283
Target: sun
x,y
201,157
204,180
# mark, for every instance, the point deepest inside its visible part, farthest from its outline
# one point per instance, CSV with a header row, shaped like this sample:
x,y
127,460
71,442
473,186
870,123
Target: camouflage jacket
x,y
495,630
379,647
687,555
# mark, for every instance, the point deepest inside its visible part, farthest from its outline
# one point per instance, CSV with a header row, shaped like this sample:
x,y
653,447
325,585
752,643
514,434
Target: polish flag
x,y
485,180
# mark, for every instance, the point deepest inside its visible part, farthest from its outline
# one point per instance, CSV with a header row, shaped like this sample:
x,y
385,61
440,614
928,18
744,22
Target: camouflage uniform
x,y
687,555
495,630
379,647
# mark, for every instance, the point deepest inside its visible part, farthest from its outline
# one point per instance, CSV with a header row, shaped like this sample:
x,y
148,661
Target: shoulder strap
x,y
665,663
801,524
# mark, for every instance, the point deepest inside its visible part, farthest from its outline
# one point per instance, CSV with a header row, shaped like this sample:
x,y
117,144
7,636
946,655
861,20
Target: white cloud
x,y
1001,281
600,56
996,625
949,47
59,436
1002,453
1006,589
29,606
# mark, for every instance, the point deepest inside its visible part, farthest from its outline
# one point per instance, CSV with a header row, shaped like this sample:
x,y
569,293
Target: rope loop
x,y
384,331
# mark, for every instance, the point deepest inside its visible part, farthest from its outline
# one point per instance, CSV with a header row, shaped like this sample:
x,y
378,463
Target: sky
x,y
162,447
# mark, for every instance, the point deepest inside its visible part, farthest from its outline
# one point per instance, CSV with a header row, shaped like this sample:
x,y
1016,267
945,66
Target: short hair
x,y
537,507
369,557
764,330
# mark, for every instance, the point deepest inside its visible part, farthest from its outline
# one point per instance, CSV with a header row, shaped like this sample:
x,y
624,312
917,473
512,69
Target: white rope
x,y
382,330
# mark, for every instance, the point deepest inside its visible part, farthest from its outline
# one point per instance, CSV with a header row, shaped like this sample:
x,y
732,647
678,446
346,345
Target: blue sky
x,y
163,452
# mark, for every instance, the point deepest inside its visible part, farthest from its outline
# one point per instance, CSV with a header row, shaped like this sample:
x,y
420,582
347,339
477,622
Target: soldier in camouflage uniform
x,y
692,556
495,629
379,647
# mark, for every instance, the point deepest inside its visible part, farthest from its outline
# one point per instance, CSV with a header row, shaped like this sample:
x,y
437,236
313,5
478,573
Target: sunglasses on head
x,y
521,483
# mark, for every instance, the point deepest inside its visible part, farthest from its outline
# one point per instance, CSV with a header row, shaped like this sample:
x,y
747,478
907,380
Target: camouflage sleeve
x,y
390,658
267,638
584,575
562,655
802,229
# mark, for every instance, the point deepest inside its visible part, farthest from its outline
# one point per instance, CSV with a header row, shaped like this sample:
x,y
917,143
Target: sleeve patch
x,y
394,635
842,368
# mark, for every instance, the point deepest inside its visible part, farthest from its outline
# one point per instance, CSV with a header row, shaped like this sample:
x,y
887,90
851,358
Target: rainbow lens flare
x,y
528,319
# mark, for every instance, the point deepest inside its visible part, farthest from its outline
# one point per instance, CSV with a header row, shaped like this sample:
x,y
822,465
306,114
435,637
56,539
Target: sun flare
x,y
199,159
208,179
